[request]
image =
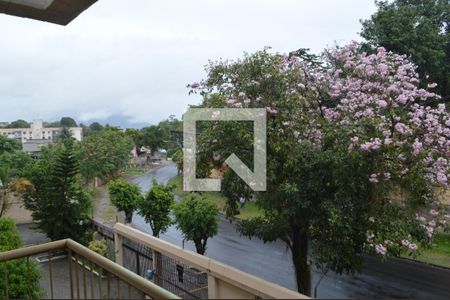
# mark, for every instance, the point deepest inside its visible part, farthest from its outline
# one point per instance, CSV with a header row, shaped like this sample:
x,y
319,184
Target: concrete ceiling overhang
x,y
60,12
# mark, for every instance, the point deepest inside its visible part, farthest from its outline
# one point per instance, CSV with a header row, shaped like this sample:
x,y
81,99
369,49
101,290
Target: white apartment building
x,y
37,131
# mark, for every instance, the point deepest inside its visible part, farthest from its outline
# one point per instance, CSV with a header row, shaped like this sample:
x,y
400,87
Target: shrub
x,y
99,246
23,282
197,219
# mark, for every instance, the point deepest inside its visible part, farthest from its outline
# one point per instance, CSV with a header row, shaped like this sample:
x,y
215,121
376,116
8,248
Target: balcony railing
x,y
76,271
185,273
71,271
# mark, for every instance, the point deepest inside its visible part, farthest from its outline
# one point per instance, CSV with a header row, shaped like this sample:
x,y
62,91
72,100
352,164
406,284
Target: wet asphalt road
x,y
397,278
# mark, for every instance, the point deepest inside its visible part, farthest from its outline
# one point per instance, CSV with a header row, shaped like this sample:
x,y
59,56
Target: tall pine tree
x,y
59,205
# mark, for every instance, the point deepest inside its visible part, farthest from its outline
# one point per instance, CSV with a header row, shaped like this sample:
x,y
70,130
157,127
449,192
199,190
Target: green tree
x,y
198,219
9,186
9,145
168,128
178,159
19,124
104,154
96,127
65,137
151,137
234,188
23,281
67,122
125,197
58,204
155,207
342,136
133,134
11,156
12,163
419,29
55,124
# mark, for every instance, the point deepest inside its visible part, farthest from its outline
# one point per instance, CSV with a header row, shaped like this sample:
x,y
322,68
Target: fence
x,y
169,273
190,275
81,273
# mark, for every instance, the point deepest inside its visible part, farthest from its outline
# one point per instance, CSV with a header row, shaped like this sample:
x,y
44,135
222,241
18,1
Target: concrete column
x,y
213,290
118,247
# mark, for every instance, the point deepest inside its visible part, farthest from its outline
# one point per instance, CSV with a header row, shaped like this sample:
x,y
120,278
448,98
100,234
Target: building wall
x,y
38,132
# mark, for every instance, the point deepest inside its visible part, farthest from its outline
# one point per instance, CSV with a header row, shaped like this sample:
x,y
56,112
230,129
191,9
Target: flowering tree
x,y
352,154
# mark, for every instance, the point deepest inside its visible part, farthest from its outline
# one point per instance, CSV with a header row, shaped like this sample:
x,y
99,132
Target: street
x,y
397,278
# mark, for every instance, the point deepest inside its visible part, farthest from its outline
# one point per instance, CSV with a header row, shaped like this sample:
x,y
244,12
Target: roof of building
x,y
33,146
60,12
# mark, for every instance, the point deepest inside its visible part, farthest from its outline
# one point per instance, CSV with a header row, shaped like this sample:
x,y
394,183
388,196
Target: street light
x,y
60,12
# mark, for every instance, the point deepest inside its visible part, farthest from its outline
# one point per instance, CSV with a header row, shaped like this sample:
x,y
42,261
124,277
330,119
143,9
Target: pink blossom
x,y
433,212
382,103
417,147
430,231
413,247
380,249
402,128
194,85
420,219
374,178
442,178
271,110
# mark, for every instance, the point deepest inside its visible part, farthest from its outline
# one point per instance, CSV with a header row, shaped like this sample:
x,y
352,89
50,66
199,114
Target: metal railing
x,y
191,275
89,276
168,273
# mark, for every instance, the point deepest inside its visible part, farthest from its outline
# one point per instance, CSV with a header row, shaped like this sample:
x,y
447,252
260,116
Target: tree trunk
x,y
200,247
300,260
128,217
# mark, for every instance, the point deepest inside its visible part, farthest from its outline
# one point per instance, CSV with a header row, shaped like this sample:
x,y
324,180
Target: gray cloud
x,y
135,58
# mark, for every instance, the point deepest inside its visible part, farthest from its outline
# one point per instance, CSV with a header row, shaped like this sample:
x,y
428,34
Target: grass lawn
x,y
249,211
439,253
133,171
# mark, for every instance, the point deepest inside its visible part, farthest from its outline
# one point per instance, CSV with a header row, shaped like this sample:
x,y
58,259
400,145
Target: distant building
x,y
37,131
34,147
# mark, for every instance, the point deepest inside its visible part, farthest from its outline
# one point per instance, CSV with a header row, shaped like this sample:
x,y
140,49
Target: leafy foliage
x,y
12,162
59,205
151,137
9,145
198,220
155,207
233,187
344,133
419,29
96,127
178,159
103,154
99,246
23,282
67,122
125,197
19,124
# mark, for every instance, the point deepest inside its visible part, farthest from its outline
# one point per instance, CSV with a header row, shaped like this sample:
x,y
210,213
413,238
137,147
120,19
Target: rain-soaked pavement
x,y
397,278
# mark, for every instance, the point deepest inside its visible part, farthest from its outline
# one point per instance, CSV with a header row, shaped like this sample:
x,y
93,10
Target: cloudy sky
x,y
130,64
